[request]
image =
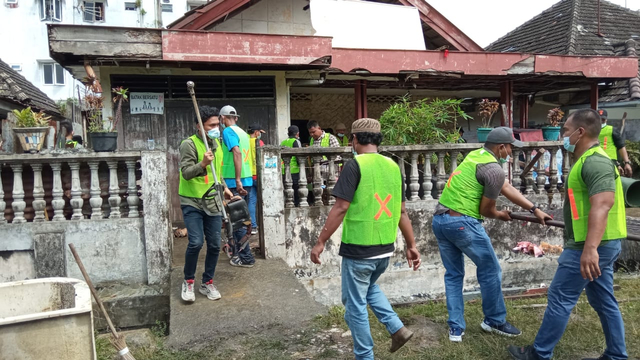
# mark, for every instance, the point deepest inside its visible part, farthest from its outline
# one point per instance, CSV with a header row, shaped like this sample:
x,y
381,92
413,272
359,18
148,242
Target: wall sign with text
x,y
146,103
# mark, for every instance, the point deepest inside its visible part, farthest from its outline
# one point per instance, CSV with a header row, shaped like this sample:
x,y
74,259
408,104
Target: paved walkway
x,y
267,297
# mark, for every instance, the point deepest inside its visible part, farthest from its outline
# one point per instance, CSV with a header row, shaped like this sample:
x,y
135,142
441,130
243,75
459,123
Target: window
x,y
53,74
16,67
50,10
167,8
130,6
93,11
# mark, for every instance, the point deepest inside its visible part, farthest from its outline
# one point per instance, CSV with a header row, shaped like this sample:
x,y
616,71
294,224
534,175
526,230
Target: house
x,y
24,44
585,27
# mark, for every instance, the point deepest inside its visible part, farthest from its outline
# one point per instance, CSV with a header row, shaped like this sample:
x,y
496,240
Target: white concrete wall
x,y
283,17
24,41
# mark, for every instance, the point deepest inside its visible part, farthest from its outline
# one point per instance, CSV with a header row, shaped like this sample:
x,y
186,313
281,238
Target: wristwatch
x,y
533,208
626,162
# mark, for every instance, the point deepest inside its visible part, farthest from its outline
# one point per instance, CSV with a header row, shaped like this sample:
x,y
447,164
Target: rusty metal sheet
x,y
243,48
588,66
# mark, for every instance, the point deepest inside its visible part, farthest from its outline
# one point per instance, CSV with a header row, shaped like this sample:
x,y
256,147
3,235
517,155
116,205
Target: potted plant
x,y
31,128
486,109
552,133
103,136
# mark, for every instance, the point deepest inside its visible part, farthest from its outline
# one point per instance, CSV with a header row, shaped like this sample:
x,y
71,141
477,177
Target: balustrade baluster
x,y
542,176
114,191
303,191
18,203
515,169
76,191
529,176
3,205
317,181
331,181
553,171
38,193
132,189
288,183
58,202
427,175
414,186
95,191
442,175
454,160
403,173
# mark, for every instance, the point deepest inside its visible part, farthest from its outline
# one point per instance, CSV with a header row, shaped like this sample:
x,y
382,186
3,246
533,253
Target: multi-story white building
x,y
23,32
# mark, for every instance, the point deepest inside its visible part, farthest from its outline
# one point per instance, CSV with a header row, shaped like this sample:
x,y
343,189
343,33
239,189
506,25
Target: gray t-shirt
x,y
491,176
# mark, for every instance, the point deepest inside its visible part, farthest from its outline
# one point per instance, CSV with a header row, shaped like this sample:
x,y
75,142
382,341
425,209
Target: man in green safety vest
x,y
370,204
236,171
468,197
255,132
196,178
293,142
613,143
319,138
595,222
341,133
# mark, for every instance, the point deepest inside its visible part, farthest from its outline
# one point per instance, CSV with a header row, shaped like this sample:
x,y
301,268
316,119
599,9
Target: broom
x,y
117,340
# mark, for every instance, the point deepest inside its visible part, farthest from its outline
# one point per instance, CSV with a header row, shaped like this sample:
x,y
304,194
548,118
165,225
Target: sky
x,y
487,20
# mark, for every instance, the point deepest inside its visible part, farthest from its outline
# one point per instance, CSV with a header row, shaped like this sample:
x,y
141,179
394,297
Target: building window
x,y
167,8
50,10
53,74
93,11
130,6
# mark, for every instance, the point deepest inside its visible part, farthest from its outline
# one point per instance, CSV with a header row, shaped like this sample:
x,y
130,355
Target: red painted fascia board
x,y
443,26
480,63
208,15
243,48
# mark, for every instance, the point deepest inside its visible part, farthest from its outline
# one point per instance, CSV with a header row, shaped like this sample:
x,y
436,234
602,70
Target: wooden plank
x,y
104,34
107,49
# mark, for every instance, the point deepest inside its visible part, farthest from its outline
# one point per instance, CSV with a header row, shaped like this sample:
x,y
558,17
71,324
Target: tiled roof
x,y
16,89
570,27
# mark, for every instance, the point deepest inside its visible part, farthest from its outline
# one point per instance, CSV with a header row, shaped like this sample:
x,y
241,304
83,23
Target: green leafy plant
x,y
487,109
427,121
28,118
555,116
633,149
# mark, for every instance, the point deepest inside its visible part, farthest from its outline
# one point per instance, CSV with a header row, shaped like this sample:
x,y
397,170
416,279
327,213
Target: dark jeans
x,y
244,254
198,223
295,178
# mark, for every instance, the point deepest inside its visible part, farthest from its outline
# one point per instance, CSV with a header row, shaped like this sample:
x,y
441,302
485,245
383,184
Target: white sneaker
x,y
254,231
210,291
187,291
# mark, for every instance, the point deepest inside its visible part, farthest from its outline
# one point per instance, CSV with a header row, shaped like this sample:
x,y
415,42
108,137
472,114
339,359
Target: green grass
x,y
583,336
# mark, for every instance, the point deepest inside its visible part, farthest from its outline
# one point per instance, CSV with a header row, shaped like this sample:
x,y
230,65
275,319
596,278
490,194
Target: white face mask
x,y
603,125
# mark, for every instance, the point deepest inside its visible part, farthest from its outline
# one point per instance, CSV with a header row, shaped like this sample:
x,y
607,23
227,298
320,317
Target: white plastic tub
x,y
46,319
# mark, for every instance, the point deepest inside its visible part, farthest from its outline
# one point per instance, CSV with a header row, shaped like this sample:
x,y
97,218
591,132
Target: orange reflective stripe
x,y
383,206
206,179
574,207
246,155
452,175
604,146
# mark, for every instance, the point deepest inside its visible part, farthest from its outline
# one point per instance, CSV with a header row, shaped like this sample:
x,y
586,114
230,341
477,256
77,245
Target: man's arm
x,y
488,210
589,261
189,165
517,198
237,162
623,157
413,256
334,219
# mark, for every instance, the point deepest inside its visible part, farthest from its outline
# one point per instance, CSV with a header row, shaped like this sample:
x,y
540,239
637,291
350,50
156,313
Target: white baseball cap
x,y
228,110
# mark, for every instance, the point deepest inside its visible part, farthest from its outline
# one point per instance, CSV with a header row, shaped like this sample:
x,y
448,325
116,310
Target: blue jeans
x,y
198,223
563,295
359,288
463,235
252,203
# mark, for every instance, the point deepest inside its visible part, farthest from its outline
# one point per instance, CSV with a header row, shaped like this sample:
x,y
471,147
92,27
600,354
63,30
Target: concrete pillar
x,y
273,221
157,226
283,119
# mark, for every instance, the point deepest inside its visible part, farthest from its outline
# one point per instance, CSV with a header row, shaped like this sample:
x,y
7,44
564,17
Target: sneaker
x,y
523,353
210,291
456,334
236,261
254,231
187,291
505,329
603,357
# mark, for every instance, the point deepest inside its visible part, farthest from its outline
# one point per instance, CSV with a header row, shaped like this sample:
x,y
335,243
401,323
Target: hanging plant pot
x,y
31,138
482,134
551,133
104,141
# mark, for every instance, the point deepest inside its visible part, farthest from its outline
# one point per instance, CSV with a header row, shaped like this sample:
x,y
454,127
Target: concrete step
x,y
265,297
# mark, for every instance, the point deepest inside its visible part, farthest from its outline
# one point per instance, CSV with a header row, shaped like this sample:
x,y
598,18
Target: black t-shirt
x,y
345,189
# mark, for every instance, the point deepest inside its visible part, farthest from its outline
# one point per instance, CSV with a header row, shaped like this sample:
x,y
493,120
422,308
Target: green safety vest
x,y
196,187
228,168
578,197
324,142
70,144
606,142
252,156
293,165
462,192
344,141
374,214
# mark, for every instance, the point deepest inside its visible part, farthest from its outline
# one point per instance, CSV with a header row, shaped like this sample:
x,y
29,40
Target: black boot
x,y
523,353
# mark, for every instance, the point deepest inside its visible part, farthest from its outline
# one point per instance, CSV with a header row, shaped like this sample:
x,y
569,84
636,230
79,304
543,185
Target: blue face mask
x,y
503,161
567,143
213,133
340,135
